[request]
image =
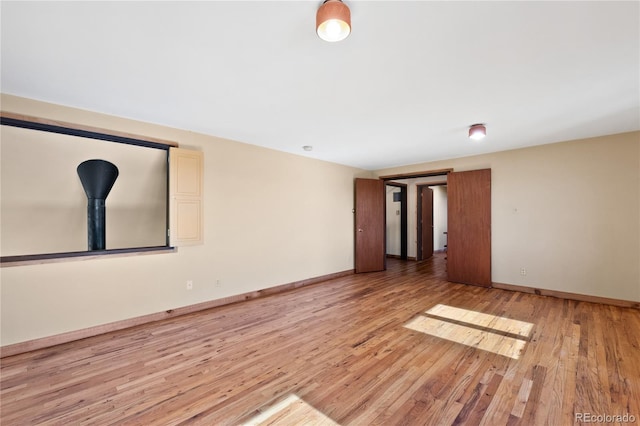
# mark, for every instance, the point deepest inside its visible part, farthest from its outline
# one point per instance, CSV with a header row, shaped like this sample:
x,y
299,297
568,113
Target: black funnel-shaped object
x,y
97,177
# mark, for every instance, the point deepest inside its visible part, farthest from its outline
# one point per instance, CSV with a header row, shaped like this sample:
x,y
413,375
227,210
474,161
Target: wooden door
x,y
469,227
370,225
426,220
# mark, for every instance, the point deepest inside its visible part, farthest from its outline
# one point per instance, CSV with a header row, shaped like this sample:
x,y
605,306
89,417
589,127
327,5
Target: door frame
x,y
419,214
405,176
404,218
444,172
425,173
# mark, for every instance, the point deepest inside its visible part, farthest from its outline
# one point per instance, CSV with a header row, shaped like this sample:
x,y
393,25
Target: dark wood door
x,y
425,222
469,227
370,225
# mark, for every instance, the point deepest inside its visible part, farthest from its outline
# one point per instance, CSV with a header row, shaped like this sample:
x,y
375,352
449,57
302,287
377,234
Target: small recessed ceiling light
x,y
307,148
477,131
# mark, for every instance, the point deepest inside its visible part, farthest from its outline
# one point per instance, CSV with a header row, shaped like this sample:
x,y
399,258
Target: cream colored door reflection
x,y
186,185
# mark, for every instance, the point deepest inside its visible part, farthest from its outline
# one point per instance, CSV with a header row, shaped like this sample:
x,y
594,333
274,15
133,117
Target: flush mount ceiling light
x,y
333,20
477,131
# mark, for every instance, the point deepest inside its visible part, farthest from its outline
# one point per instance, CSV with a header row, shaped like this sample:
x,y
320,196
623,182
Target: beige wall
x,y
567,212
270,218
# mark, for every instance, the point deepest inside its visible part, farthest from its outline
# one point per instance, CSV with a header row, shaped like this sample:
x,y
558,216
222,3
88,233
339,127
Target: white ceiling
x,y
402,89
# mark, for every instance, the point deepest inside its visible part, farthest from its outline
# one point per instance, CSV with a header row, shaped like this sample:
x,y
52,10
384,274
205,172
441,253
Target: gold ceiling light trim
x,y
333,21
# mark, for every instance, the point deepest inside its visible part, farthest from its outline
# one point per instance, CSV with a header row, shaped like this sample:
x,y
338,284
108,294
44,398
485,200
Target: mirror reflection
x,y
44,205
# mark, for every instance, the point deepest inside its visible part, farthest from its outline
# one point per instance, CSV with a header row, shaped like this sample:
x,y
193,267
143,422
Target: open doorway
x,y
431,219
396,220
412,224
468,222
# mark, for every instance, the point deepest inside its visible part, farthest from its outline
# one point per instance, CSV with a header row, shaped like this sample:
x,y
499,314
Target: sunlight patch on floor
x,y
291,411
493,322
502,336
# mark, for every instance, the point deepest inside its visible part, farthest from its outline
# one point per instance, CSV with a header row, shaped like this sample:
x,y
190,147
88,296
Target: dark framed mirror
x,y
44,206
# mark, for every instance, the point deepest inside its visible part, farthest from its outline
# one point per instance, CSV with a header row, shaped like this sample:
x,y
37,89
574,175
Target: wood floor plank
x,y
342,352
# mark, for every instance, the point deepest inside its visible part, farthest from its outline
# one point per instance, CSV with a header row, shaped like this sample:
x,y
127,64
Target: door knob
x,y
359,229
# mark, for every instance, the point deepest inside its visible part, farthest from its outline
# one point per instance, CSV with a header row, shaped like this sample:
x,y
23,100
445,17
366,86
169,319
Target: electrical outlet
x,y
523,271
218,283
189,285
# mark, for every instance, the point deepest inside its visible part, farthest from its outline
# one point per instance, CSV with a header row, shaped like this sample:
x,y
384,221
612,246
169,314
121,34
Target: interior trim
x,y
413,175
37,123
58,339
38,259
570,296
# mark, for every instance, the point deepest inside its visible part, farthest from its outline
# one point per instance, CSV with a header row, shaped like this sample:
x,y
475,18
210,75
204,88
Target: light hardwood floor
x,y
396,347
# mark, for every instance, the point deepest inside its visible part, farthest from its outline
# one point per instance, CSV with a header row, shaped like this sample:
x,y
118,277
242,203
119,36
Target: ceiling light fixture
x,y
333,21
477,131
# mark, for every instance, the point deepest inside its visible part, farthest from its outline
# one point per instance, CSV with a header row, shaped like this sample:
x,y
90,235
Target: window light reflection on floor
x,y
500,335
291,411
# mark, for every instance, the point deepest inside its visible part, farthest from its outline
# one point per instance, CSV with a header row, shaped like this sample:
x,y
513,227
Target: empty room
x,y
320,212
